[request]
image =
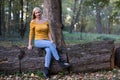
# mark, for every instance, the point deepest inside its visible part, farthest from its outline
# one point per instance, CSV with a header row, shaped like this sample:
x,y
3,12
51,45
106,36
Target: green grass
x,y
74,38
78,37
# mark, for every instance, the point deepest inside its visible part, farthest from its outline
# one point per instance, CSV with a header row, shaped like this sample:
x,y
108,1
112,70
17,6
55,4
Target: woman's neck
x,y
38,19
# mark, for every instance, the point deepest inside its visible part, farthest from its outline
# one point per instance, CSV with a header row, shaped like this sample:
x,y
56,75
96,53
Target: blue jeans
x,y
50,49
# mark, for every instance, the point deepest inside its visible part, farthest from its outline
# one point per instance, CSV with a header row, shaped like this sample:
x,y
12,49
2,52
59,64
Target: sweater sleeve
x,y
48,27
32,30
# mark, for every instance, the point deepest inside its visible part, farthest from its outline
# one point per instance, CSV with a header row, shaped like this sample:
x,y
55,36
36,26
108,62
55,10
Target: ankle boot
x,y
46,72
63,64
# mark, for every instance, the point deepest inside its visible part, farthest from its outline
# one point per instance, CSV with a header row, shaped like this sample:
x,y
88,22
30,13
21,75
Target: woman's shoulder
x,y
32,21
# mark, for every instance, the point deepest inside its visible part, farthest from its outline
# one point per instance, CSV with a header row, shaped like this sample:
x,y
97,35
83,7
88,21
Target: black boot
x,y
63,64
46,72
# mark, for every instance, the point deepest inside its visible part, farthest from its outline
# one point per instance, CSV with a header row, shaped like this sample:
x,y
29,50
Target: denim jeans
x,y
50,49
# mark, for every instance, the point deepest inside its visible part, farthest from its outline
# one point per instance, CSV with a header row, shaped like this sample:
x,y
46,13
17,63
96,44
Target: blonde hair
x,y
33,12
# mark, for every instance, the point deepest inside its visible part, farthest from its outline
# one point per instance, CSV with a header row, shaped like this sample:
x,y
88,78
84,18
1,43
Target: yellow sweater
x,y
40,30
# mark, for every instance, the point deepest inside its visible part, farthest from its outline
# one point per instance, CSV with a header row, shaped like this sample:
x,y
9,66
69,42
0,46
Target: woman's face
x,y
38,13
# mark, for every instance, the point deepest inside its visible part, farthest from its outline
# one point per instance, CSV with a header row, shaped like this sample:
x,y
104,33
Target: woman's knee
x,y
51,44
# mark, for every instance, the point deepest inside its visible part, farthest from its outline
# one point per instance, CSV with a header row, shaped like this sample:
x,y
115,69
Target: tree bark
x,y
52,10
92,56
0,17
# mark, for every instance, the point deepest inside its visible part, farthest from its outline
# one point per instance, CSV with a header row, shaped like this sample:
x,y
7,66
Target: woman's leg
x,y
48,57
48,44
52,48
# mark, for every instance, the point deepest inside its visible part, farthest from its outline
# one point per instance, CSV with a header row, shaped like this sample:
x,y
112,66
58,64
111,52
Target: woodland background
x,y
78,17
82,21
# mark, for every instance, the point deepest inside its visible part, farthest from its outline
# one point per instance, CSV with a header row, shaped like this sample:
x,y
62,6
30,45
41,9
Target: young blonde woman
x,y
42,39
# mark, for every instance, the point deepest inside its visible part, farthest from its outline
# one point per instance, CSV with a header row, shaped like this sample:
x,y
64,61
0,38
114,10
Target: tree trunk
x,y
98,19
16,19
0,17
73,17
22,29
92,56
52,10
9,18
3,18
77,18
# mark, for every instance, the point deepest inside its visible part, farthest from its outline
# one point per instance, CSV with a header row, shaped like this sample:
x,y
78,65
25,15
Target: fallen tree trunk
x,y
20,59
92,56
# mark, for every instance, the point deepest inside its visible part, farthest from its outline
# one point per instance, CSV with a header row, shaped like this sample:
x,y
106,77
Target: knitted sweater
x,y
39,30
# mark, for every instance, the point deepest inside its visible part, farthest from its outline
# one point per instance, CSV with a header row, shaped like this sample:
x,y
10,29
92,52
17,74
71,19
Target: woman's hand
x,y
52,41
29,47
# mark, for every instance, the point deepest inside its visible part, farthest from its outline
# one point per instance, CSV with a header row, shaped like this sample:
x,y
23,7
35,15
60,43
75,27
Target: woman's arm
x,y
50,37
31,33
29,44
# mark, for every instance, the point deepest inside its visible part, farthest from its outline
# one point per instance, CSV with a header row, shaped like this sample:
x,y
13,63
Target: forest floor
x,y
100,75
